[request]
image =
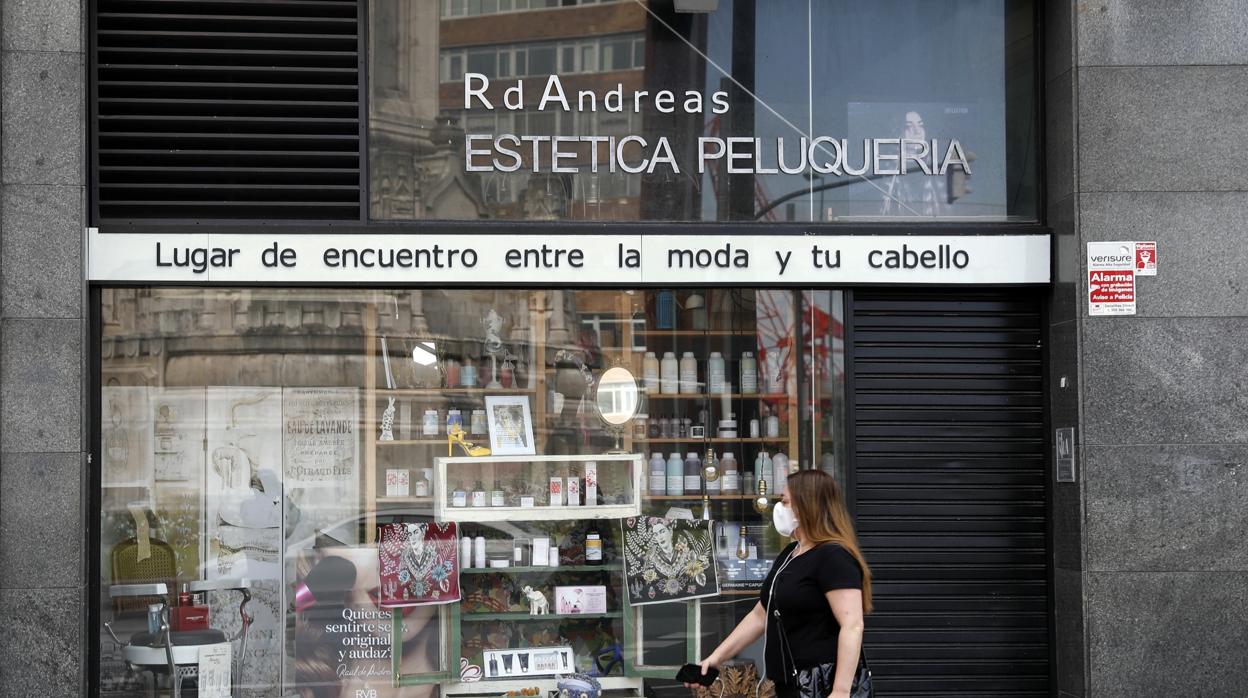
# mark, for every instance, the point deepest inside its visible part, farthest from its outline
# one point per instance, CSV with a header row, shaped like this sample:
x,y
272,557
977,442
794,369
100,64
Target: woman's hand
x,y
711,662
839,694
747,631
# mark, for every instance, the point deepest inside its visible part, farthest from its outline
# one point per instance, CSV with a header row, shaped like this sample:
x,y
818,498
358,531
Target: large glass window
x,y
784,110
290,448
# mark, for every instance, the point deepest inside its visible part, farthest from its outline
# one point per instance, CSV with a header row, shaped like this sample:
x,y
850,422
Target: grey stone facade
x,y
1144,117
1144,112
43,358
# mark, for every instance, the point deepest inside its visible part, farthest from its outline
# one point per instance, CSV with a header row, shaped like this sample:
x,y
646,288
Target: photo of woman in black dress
x,y
813,602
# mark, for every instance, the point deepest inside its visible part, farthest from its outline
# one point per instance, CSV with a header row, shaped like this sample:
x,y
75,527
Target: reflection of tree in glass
x,y
776,359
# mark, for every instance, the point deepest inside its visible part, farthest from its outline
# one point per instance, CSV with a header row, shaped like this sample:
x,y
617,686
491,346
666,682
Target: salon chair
x,y
175,653
133,563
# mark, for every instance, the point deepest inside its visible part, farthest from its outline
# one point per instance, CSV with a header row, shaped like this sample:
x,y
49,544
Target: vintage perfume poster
x,y
321,454
178,434
668,560
126,436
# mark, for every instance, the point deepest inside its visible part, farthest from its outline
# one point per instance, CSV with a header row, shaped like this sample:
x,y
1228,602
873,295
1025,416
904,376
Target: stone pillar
x,y
1145,135
43,433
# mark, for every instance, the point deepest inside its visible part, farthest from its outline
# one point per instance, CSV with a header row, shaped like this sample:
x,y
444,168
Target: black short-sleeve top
x,y
802,605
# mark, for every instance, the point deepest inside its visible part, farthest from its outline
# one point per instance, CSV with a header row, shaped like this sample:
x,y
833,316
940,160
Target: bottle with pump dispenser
x,y
658,474
688,374
478,552
693,473
749,373
669,374
780,472
650,373
716,381
731,474
675,475
465,552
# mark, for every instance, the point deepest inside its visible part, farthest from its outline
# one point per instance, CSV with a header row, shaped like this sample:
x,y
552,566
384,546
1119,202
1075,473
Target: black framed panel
x,y
227,110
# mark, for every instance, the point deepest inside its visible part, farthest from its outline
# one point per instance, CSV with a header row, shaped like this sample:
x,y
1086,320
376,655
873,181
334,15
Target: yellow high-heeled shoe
x,y
456,436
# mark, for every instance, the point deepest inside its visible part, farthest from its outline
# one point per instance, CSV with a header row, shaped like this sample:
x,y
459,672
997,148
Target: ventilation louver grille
x,y
949,451
227,109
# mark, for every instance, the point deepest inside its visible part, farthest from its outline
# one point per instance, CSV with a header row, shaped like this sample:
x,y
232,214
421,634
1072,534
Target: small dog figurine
x,y
538,606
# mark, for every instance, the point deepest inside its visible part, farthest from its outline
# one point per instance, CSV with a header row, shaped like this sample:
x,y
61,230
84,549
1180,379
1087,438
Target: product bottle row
x,y
692,476
671,376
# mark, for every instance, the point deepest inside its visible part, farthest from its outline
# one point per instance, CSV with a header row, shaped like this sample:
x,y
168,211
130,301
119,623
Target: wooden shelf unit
x,y
716,396
695,333
716,440
418,452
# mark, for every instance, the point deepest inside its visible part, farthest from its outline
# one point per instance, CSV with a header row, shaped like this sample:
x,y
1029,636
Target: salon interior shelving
x,y
716,396
410,449
711,497
715,440
492,606
605,328
545,618
582,569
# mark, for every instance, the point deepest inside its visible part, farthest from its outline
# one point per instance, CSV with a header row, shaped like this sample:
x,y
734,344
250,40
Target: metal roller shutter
x,y
948,433
227,109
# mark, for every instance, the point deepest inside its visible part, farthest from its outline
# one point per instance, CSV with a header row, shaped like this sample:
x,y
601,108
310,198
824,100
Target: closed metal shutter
x,y
226,109
948,439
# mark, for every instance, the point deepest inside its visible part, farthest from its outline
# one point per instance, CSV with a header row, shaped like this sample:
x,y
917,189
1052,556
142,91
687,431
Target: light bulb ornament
x,y
743,550
710,472
762,503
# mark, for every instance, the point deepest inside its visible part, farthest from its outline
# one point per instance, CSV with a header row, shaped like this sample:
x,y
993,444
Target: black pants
x,y
786,690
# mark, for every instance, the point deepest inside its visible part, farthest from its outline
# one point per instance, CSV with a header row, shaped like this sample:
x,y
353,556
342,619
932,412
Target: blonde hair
x,y
821,512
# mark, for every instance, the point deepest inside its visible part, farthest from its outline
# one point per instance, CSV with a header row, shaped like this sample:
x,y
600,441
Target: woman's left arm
x,y
847,609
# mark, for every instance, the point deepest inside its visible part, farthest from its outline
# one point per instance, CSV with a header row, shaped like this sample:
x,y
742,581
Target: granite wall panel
x,y
1162,128
1165,380
1167,633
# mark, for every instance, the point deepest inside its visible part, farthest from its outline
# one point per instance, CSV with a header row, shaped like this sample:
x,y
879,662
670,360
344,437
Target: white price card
x,y
214,671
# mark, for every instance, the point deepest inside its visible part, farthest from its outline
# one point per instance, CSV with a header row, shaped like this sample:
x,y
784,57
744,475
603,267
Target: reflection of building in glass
x,y
592,46
613,59
417,168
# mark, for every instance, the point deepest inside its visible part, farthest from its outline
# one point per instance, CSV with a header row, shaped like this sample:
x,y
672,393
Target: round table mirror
x,y
617,399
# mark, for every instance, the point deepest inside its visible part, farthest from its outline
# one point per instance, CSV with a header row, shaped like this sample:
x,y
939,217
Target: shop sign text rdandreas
x,y
634,154
618,260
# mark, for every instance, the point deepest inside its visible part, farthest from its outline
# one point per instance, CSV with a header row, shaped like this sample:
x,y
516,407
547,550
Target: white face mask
x,y
783,518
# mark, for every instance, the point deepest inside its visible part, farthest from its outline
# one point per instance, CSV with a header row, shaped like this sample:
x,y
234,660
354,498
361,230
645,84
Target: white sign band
x,y
614,260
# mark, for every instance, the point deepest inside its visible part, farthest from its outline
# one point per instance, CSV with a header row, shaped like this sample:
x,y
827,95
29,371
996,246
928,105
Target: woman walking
x,y
813,601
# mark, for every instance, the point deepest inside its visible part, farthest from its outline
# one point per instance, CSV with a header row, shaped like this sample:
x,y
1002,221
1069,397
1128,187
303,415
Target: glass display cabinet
x,y
476,489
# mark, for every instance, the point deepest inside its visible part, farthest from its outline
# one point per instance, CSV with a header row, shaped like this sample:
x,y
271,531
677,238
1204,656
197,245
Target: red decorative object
x,y
419,564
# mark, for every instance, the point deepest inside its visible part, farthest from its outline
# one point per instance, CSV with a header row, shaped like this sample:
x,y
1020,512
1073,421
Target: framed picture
x,y
510,424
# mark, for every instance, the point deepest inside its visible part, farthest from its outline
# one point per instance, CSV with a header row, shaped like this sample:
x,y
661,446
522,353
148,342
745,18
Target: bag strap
x,y
786,651
784,648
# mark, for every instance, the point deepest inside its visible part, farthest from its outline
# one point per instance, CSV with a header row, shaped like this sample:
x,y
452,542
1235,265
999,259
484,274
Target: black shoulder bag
x,y
816,681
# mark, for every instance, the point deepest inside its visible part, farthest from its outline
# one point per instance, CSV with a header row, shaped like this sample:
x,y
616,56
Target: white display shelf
x,y
495,687
443,511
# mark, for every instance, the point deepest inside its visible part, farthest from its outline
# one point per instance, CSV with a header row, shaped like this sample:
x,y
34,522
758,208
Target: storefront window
x,y
785,110
427,488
